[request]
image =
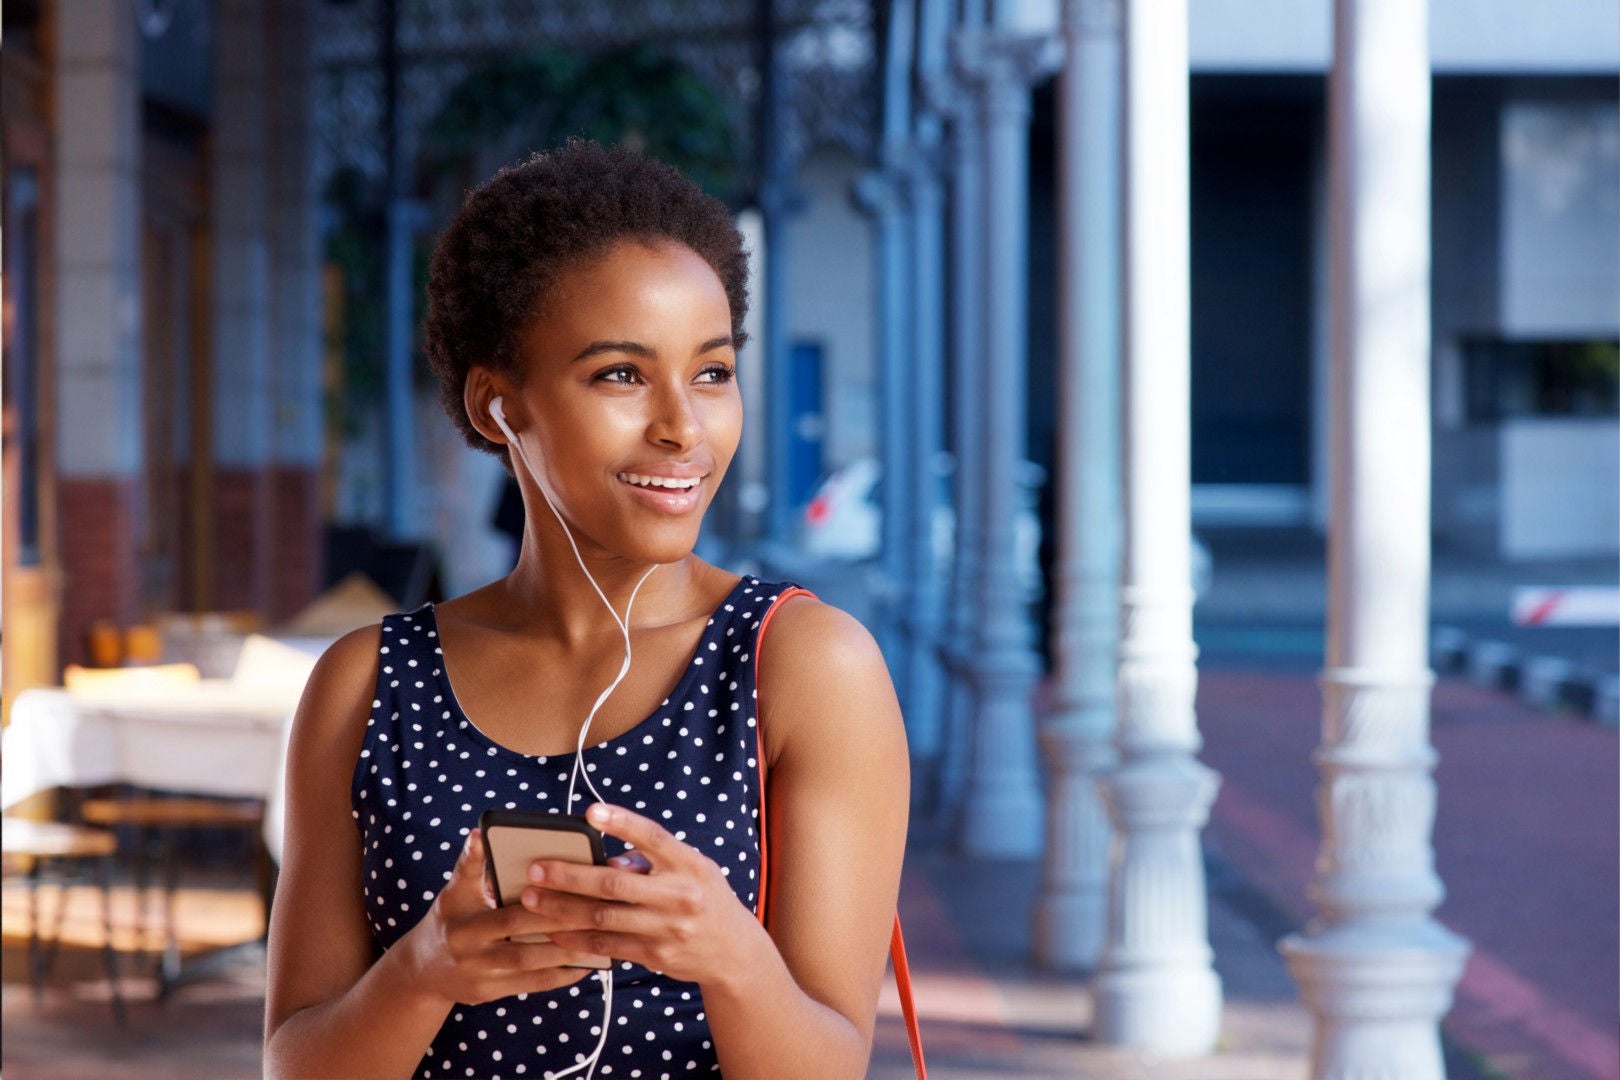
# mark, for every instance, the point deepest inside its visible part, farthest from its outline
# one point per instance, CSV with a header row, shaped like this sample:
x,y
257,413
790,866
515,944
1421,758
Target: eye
x,y
717,374
618,375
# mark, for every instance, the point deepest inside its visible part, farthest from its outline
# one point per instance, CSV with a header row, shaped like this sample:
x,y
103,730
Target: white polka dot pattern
x,y
426,772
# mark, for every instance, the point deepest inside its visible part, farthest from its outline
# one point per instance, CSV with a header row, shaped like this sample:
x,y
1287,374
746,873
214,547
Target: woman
x,y
585,309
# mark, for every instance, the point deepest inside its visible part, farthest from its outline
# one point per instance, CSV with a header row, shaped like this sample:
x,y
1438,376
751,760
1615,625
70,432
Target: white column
x,y
1001,808
1376,970
1156,988
1076,736
243,391
97,231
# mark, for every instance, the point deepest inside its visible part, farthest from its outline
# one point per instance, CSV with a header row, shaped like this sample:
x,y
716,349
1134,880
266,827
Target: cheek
x,y
722,426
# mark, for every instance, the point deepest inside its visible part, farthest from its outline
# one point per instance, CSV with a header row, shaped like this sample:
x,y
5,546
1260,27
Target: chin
x,y
662,545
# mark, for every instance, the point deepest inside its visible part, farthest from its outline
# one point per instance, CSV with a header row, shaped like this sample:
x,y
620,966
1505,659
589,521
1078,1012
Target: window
x,y
21,359
1512,379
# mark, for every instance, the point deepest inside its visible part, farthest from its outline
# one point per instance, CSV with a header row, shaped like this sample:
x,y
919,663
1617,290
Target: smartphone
x,y
515,838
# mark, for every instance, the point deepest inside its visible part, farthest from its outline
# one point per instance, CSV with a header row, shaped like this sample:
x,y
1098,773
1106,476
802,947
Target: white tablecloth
x,y
218,738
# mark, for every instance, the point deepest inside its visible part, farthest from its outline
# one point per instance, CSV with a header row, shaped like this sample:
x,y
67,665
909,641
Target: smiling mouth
x,y
661,483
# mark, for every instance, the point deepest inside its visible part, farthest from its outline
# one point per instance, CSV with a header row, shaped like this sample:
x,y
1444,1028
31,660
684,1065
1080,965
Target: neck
x,y
547,592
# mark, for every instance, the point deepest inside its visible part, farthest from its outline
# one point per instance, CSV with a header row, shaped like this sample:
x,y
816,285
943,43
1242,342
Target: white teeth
x,y
659,481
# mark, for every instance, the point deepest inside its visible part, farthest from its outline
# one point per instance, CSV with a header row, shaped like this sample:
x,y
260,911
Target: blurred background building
x,y
209,337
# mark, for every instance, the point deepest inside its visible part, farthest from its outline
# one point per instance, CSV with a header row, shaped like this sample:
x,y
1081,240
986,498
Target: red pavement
x,y
1526,844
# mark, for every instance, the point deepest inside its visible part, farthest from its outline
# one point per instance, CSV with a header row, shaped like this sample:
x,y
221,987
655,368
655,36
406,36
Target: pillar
x,y
298,429
881,192
243,391
776,349
1375,969
925,610
884,193
1156,988
1076,735
1001,806
100,447
966,437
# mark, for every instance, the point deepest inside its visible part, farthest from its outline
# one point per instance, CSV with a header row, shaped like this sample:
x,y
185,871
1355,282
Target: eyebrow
x,y
635,348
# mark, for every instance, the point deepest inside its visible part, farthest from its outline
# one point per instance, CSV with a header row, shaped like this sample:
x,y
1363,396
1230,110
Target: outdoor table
x,y
218,737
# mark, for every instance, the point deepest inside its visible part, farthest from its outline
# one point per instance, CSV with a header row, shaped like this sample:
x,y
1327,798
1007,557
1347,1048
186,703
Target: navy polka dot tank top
x,y
426,772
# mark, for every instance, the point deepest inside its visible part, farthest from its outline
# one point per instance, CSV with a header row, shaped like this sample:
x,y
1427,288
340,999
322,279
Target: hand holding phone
x,y
513,839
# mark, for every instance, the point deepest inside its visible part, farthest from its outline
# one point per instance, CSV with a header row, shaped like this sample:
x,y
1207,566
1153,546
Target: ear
x,y
482,387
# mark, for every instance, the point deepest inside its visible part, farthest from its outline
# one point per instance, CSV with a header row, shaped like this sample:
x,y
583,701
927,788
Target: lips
x,y
675,489
667,483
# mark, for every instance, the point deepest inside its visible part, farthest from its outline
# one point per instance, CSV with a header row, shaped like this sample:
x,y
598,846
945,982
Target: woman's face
x,y
630,409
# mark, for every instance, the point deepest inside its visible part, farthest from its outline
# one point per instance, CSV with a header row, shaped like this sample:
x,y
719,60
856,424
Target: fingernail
x,y
619,860
531,898
537,873
599,814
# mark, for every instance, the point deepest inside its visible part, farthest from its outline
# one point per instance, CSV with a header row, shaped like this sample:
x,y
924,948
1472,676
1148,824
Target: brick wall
x,y
242,540
100,570
296,546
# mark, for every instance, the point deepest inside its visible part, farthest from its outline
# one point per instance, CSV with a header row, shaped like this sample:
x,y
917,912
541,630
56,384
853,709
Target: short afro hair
x,y
519,231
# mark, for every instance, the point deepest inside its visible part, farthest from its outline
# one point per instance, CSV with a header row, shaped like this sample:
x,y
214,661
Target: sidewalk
x,y
1525,842
986,1013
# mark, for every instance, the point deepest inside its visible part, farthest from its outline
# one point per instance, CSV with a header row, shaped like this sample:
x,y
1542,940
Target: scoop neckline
x,y
470,726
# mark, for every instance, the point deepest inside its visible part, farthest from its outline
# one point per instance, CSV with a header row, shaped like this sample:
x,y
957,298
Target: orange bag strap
x,y
897,940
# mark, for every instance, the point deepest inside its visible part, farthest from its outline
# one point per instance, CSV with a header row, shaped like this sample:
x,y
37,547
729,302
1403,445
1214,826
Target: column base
x,y
1377,994
1172,1011
1070,928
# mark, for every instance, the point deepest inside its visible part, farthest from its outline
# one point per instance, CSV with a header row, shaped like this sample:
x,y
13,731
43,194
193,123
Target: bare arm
x,y
839,788
334,1007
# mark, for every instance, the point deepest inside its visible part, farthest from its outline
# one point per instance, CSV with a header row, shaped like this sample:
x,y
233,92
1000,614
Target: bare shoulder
x,y
815,639
340,689
820,667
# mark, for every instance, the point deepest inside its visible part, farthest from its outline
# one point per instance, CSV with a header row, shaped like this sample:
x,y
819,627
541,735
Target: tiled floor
x,y
208,1030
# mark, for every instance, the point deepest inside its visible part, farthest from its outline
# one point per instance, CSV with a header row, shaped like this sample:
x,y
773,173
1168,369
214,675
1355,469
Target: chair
x,y
162,818
41,843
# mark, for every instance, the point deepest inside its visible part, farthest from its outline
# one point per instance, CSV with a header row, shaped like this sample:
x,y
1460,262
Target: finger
x,y
602,882
565,913
518,920
527,957
467,890
630,948
633,861
655,842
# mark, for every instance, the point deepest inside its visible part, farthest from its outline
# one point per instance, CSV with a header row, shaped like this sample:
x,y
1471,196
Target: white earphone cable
x,y
579,772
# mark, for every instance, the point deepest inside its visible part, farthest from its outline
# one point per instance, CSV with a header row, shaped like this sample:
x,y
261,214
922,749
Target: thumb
x,y
468,888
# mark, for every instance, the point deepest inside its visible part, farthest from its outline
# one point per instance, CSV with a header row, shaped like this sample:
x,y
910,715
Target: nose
x,y
675,423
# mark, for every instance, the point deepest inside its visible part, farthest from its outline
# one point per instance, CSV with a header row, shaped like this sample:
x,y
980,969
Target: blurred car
x,y
844,521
